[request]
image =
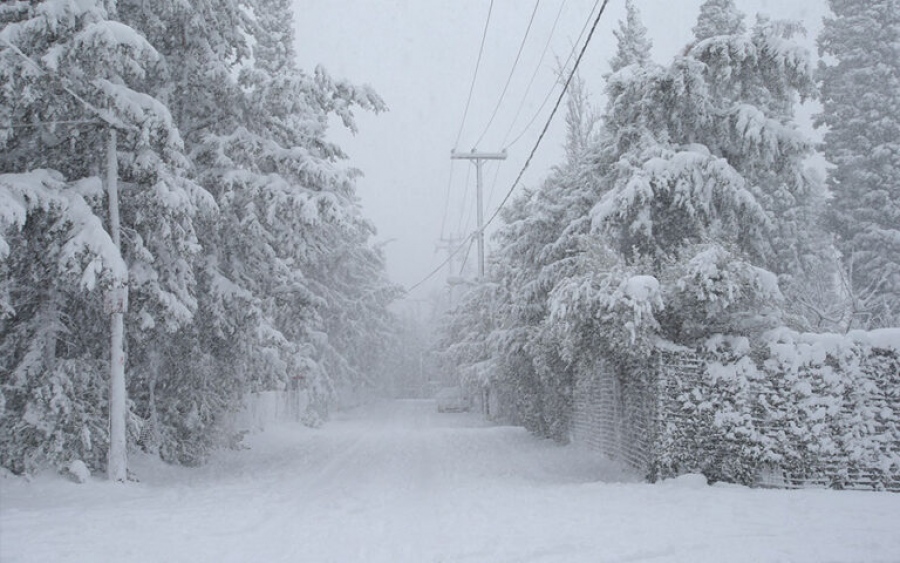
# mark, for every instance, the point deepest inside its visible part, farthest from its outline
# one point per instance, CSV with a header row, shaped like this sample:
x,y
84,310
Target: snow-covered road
x,y
398,482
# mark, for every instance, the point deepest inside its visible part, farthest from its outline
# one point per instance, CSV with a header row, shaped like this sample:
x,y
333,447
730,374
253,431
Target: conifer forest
x,y
701,287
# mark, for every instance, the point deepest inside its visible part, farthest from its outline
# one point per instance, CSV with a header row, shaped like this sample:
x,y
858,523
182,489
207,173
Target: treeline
x,y
686,209
248,262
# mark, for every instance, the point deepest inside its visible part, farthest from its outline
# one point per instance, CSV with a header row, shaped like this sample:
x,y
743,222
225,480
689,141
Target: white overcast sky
x,y
419,55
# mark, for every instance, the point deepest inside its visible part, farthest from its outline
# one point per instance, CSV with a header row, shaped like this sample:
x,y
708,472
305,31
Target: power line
x,y
40,124
555,83
465,260
552,114
475,74
584,28
490,196
465,114
531,154
534,74
511,72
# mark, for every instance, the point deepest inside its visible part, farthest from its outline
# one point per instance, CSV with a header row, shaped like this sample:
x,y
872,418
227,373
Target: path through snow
x,y
397,482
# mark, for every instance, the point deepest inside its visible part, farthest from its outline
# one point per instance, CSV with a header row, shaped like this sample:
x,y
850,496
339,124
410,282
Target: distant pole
x,y
116,302
479,158
451,246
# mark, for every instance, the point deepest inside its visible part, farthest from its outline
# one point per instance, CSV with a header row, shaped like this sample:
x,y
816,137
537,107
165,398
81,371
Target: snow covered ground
x,y
398,482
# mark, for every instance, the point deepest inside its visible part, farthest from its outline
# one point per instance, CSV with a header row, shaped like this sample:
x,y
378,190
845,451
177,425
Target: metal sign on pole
x,y
479,158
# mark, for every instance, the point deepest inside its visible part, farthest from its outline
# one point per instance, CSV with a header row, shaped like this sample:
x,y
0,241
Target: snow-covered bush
x,y
717,292
610,312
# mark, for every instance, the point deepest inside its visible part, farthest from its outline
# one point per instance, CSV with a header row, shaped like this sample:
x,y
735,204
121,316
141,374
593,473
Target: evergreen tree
x,y
255,127
633,46
248,259
860,83
718,17
70,70
53,352
709,167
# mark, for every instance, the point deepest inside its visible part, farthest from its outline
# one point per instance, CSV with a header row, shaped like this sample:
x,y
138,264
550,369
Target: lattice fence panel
x,y
616,412
660,417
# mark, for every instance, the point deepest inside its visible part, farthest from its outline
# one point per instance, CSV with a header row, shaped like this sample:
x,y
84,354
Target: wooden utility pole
x,y
116,305
479,158
454,277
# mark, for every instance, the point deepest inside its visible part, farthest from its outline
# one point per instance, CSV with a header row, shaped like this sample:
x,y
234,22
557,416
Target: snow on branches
x,y
86,248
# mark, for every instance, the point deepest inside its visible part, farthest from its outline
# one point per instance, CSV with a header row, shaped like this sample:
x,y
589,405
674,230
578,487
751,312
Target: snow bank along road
x,y
398,482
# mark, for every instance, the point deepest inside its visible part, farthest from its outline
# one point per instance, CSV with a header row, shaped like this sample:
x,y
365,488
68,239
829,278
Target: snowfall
x,y
397,481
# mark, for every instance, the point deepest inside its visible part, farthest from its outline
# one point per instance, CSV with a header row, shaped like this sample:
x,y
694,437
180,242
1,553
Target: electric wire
x,y
490,197
465,260
474,75
534,74
465,114
531,154
40,124
511,72
584,28
555,83
552,114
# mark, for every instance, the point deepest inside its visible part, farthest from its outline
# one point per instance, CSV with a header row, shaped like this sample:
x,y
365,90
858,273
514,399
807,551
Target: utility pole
x,y
451,246
116,305
479,158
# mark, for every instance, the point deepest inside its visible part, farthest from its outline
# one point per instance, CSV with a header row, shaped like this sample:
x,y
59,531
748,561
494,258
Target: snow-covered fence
x,y
803,410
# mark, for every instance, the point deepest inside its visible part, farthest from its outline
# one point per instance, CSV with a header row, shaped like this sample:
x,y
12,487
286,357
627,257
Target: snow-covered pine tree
x,y
187,380
718,17
632,46
757,79
243,285
336,309
587,291
255,127
709,167
860,85
69,69
53,352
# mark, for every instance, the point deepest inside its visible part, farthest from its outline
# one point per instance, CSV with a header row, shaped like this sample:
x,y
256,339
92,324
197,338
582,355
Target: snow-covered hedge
x,y
793,410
